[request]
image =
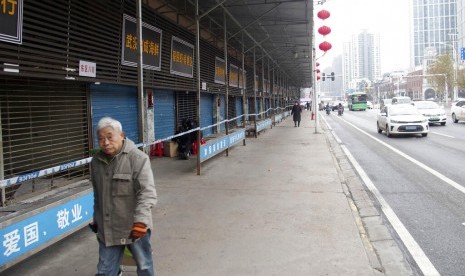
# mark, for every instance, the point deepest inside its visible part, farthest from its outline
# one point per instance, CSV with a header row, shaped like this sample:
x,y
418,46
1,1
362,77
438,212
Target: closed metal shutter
x,y
222,112
164,116
206,113
44,124
231,111
239,110
267,106
186,106
251,106
118,102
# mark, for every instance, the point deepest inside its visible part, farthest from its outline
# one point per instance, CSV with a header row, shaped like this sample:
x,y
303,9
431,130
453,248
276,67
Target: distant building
x,y
361,59
433,24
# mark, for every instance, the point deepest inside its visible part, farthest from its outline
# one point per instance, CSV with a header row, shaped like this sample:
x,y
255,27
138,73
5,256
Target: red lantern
x,y
324,30
317,70
325,46
317,64
323,14
318,77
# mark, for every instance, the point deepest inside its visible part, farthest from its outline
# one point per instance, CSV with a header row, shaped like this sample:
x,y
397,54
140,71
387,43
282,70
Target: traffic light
x,y
324,77
332,76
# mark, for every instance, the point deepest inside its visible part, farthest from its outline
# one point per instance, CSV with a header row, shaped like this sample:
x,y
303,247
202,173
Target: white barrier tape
x,y
31,175
167,138
36,174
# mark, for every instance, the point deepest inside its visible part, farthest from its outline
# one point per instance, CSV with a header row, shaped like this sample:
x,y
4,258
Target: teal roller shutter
x,y
118,102
206,113
164,117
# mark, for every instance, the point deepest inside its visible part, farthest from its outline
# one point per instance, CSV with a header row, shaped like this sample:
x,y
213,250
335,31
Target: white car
x,y
402,119
369,105
457,111
431,110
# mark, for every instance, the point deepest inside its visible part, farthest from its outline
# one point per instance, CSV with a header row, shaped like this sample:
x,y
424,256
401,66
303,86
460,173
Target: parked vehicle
x,y
401,100
402,119
185,141
369,105
458,111
431,110
385,102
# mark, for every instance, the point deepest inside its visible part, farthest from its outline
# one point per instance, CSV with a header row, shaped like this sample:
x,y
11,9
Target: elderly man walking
x,y
124,194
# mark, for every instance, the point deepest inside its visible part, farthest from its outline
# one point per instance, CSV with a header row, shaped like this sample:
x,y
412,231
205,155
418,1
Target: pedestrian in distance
x,y
124,194
295,112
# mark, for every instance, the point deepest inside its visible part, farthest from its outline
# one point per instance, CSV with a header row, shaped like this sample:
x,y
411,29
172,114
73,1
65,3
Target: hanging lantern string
x,y
324,53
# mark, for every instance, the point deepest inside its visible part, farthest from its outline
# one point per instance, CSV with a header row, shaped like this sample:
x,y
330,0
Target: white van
x,y
401,100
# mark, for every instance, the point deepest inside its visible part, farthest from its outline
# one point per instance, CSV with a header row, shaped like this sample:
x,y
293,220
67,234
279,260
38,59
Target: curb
x,y
382,249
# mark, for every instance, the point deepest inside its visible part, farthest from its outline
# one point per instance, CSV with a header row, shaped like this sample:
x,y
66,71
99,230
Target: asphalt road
x,y
416,176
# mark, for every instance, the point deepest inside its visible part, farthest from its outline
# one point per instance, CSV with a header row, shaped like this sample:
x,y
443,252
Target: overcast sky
x,y
388,18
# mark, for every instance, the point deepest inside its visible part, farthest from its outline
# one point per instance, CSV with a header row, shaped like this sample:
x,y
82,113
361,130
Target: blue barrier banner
x,y
26,235
214,147
209,150
263,124
236,137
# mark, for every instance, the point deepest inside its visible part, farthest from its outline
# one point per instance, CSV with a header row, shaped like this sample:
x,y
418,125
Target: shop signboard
x,y
11,21
151,44
182,58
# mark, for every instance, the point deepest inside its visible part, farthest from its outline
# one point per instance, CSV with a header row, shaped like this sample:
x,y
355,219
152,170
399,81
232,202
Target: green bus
x,y
357,101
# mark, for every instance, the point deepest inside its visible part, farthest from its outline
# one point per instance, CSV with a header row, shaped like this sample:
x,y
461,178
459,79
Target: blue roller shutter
x,y
164,117
222,112
206,113
267,107
239,110
118,102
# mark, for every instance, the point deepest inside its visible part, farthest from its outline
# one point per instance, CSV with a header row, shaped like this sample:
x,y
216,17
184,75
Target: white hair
x,y
109,122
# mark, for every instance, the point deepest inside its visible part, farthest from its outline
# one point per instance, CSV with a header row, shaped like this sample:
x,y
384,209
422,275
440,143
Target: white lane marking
x,y
437,133
411,159
423,262
425,265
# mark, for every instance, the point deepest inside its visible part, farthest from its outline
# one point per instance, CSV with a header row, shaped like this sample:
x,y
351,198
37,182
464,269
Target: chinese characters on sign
x,y
24,236
233,76
219,70
266,87
151,44
213,148
263,124
11,21
87,69
242,78
182,58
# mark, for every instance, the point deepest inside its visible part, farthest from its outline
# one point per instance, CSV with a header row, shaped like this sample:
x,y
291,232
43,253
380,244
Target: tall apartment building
x,y
460,25
361,59
433,24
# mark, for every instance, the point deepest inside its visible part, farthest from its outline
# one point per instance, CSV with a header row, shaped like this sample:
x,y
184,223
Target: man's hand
x,y
93,227
139,230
